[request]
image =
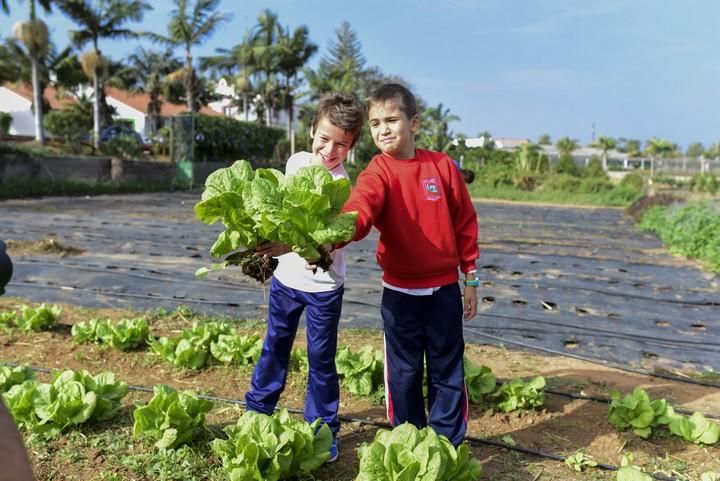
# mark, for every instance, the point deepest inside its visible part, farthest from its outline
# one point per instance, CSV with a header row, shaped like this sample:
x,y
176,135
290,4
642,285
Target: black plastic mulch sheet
x,y
570,280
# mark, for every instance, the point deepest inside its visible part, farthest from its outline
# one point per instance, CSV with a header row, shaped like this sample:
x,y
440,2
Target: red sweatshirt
x,y
427,222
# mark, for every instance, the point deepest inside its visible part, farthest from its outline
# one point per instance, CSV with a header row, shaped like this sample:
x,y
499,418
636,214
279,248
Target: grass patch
x,y
616,197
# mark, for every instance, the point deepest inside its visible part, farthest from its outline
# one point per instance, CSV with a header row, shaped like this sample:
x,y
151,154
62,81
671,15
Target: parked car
x,y
112,131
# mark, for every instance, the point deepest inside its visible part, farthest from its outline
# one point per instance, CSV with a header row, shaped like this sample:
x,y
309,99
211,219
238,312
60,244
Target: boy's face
x,y
330,144
392,131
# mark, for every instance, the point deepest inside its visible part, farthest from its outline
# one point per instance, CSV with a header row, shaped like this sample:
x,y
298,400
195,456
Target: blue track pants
x,y
322,314
429,327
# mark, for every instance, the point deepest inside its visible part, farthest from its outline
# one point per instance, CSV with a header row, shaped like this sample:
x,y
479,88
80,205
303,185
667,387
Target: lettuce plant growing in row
x,y
171,417
31,318
10,376
518,394
362,371
202,343
269,448
407,453
192,348
479,381
126,334
638,412
301,211
71,398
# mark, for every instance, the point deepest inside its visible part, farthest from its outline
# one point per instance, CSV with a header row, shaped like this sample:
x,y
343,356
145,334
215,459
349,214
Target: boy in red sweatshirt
x,y
418,201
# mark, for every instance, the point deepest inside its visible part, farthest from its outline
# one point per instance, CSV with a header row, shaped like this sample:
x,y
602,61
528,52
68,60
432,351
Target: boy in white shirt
x,y
335,128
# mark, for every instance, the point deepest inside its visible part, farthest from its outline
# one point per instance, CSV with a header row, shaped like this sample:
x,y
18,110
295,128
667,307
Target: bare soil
x,y
561,427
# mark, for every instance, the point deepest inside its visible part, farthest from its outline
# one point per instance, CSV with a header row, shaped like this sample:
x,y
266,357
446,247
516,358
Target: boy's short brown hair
x,y
342,110
387,92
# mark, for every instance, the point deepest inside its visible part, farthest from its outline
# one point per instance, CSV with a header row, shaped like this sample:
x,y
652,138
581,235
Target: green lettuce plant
x,y
125,334
638,412
517,394
407,453
300,210
37,318
235,349
192,348
70,399
171,417
10,376
6,317
299,360
269,448
479,381
695,429
361,372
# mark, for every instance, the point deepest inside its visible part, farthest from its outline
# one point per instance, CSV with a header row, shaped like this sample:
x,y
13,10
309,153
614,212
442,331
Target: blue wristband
x,y
472,282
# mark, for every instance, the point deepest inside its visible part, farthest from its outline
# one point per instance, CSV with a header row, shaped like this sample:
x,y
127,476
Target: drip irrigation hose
x,y
185,300
602,362
381,424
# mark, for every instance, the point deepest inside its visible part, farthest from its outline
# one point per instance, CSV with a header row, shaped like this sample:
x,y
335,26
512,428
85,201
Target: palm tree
x,y
237,62
293,51
566,146
149,70
100,20
264,39
434,134
34,35
658,148
606,144
188,29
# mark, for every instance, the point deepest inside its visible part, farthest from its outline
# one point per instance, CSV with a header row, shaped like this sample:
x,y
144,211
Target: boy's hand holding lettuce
x,y
301,211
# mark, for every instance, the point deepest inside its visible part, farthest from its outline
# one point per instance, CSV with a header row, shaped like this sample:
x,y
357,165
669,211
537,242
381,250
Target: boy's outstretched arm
x,y
367,198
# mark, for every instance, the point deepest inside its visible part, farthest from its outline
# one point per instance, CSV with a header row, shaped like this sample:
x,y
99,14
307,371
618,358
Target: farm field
x,y
561,427
569,293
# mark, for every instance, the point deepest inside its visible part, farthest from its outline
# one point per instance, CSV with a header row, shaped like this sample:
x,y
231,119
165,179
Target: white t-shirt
x,y
291,267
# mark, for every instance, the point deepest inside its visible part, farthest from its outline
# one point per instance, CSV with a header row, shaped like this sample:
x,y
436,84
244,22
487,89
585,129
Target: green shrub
x,y
634,181
227,139
5,123
566,165
594,169
495,175
592,185
72,124
705,182
560,183
122,146
692,230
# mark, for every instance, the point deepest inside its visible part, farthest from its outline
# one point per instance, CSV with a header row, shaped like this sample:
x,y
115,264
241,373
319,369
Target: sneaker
x,y
334,451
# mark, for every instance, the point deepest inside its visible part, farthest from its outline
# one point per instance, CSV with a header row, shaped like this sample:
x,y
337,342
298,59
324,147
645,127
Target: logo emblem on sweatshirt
x,y
431,188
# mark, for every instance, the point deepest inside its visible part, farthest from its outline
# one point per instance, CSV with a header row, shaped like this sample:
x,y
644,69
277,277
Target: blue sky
x,y
517,68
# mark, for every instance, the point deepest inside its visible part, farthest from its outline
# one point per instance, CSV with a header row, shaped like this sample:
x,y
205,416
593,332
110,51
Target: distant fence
x,y
683,166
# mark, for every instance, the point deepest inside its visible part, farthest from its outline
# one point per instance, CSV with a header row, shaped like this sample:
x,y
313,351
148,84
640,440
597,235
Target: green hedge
x,y
692,230
227,139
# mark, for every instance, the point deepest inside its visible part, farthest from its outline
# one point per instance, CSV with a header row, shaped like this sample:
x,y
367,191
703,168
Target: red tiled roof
x,y
140,100
55,98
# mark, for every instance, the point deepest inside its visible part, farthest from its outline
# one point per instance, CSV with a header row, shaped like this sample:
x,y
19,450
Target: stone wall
x,y
19,167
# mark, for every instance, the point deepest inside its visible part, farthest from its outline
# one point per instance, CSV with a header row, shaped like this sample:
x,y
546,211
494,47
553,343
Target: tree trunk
x,y
96,109
37,98
290,116
245,107
189,96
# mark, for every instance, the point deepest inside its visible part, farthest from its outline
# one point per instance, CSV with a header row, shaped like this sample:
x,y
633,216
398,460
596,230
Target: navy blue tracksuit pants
x,y
430,327
322,315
